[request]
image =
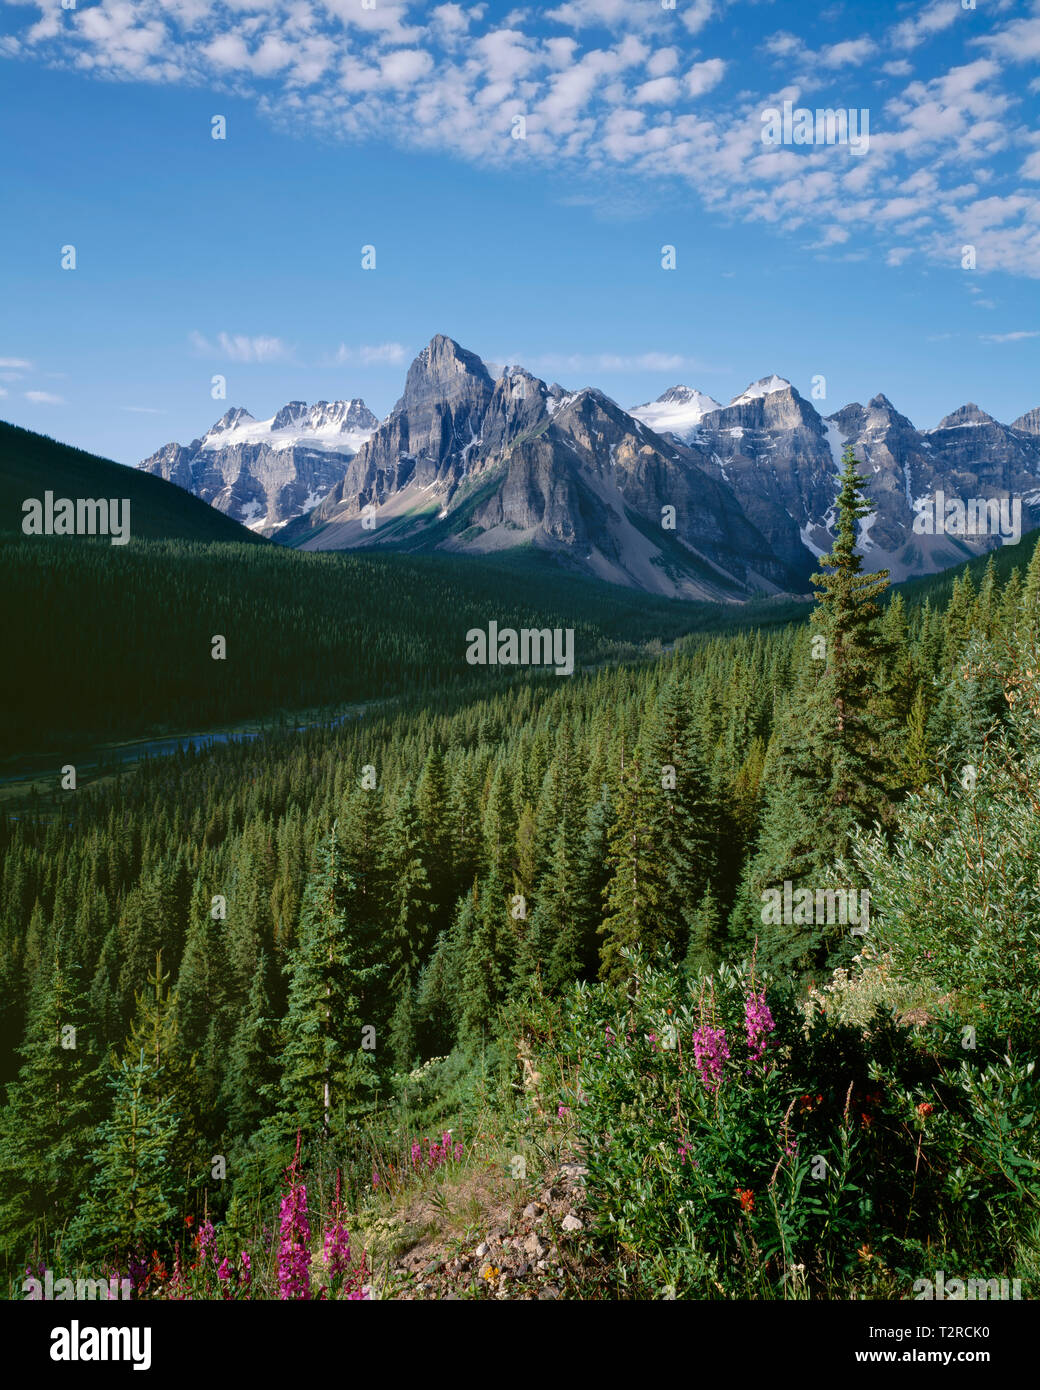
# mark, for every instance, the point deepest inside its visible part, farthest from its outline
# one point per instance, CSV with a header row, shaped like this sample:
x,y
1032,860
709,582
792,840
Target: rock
x,y
571,1223
574,1171
548,1292
265,473
534,1247
481,1250
533,1211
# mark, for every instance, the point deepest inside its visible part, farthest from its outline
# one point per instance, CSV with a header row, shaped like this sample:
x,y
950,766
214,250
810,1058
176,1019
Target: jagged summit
x,y
266,472
1029,423
964,416
468,463
765,386
678,411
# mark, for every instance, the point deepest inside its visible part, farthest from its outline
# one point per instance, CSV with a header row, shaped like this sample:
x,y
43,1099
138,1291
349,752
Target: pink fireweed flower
x,y
206,1242
294,1256
562,1110
458,1150
375,1179
247,1267
337,1248
710,1053
758,1022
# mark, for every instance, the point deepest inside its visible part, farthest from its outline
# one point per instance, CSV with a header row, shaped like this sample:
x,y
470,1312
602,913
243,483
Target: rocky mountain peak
x,y
764,386
678,411
1029,423
289,415
237,415
965,415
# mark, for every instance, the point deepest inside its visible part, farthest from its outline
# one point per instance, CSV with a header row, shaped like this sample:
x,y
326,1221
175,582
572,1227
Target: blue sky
x,y
391,126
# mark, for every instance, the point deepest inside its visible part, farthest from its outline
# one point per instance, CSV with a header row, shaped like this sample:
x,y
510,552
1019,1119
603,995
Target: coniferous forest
x,y
710,971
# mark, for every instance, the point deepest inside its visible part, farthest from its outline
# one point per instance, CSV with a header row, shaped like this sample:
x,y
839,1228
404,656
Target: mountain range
x,y
681,496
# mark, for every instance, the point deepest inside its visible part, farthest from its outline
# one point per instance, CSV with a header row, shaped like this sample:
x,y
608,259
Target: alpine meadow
x,y
462,837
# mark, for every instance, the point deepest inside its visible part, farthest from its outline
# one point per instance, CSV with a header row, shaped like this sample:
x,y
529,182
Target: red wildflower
x,y
746,1198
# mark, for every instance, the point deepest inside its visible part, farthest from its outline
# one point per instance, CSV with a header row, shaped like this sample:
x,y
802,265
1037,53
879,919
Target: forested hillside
x,y
32,464
257,946
300,631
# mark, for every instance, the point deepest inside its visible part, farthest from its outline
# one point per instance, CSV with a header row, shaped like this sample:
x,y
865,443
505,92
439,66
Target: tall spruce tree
x,y
323,1066
46,1123
637,884
831,769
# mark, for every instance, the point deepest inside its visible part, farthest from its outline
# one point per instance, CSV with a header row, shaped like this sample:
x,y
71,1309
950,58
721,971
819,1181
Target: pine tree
x,y
637,884
917,766
137,1192
322,1064
250,1083
704,941
831,769
51,1107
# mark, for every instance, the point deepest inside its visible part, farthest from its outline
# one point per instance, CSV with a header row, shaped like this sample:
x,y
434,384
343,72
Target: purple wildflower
x,y
710,1052
206,1242
294,1256
758,1022
337,1248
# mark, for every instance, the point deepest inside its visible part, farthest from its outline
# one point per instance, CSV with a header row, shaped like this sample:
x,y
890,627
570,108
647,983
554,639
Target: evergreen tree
x,y
322,1062
51,1108
637,883
136,1195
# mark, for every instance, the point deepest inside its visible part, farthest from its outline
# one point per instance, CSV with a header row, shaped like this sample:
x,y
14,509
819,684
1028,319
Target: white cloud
x,y
43,398
933,19
142,410
840,55
16,364
239,347
621,91
1017,42
369,355
702,77
1008,337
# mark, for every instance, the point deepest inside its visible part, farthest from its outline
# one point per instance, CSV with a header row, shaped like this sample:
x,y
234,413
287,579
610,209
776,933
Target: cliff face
x,y
265,473
680,496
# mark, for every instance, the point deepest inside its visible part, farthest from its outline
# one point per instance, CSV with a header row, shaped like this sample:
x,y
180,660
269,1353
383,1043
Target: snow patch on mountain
x,y
679,411
338,427
763,387
836,442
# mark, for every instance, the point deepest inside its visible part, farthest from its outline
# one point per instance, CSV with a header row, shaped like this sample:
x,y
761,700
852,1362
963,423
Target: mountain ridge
x,y
682,496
